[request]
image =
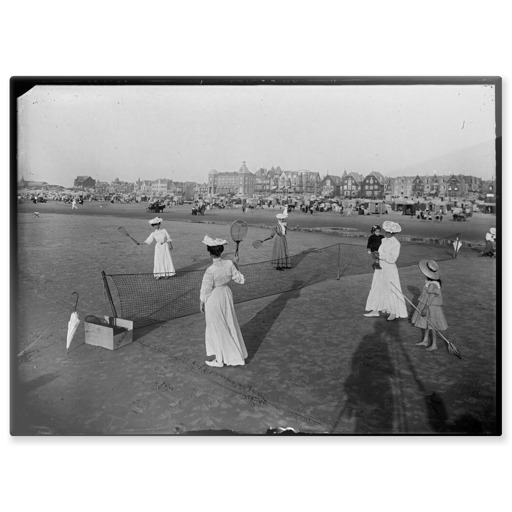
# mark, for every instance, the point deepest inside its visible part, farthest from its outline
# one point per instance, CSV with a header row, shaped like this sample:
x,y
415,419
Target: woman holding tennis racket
x,y
280,258
163,266
223,337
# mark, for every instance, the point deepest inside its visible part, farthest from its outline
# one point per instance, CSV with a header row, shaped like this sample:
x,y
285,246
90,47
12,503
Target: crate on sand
x,y
111,333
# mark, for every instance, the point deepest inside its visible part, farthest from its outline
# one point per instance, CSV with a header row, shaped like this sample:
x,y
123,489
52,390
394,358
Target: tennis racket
x,y
124,232
257,243
238,231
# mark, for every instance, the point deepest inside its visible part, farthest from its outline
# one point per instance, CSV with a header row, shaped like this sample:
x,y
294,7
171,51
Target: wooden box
x,y
116,334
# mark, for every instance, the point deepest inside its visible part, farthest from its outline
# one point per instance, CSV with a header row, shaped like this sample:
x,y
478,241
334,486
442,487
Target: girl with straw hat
x,y
429,316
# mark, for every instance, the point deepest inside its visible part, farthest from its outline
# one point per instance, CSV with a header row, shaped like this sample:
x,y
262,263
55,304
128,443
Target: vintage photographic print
x,y
255,256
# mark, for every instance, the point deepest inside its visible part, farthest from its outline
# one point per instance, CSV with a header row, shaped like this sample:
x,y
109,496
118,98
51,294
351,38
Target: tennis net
x,y
147,301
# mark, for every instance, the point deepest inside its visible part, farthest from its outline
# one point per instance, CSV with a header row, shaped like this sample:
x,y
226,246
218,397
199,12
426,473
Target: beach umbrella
x,y
72,324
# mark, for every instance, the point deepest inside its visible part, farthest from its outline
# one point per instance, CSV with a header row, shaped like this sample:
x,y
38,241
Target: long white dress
x,y
223,336
163,266
382,296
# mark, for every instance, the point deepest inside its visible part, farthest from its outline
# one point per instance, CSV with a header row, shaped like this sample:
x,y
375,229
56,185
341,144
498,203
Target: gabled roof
x,y
81,179
333,177
357,176
379,176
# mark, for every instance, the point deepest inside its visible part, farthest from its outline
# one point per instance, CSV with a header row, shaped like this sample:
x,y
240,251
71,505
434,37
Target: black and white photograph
x,y
255,256
258,256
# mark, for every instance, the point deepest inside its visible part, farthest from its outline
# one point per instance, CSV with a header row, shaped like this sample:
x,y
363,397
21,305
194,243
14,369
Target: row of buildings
x,y
350,185
301,183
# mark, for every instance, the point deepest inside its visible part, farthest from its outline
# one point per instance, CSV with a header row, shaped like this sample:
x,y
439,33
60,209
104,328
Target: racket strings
x,y
238,230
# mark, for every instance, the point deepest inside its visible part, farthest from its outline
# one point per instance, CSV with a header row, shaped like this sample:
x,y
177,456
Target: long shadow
x,y
195,266
140,332
297,258
369,389
31,385
437,414
255,330
436,410
21,412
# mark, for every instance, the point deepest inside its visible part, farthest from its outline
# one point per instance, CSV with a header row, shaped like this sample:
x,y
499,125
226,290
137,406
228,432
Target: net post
x,y
109,295
339,253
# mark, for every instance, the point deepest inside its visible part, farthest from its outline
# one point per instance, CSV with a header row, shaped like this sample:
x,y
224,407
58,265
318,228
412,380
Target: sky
x,y
182,132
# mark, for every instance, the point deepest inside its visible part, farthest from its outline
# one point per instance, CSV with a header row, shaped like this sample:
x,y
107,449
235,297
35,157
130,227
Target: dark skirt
x,y
280,256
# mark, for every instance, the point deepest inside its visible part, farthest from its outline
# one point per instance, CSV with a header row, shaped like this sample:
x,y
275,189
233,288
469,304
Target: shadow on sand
x,y
255,330
369,387
374,401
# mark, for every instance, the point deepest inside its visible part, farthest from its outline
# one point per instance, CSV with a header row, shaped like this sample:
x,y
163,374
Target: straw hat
x,y
156,220
284,215
391,227
211,242
430,268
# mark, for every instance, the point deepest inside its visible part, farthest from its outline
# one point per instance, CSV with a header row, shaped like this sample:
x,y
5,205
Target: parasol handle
x,y
76,303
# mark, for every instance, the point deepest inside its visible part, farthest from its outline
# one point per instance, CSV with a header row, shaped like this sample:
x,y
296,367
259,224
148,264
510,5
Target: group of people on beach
x,y
386,293
223,337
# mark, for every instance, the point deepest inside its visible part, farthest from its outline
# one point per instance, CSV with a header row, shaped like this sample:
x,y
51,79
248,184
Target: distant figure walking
x,y
73,205
490,243
429,316
163,266
223,337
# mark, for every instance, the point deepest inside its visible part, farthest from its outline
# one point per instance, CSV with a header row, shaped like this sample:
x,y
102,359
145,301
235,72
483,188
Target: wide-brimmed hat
x,y
211,242
156,220
391,227
284,215
430,268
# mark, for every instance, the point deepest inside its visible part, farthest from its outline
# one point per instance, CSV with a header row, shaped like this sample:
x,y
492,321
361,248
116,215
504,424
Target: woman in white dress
x,y
163,266
383,296
223,337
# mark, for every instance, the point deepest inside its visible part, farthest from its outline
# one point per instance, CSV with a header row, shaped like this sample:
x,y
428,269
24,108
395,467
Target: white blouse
x,y
220,273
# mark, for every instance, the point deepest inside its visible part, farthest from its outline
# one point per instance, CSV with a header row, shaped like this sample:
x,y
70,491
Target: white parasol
x,y
457,244
72,324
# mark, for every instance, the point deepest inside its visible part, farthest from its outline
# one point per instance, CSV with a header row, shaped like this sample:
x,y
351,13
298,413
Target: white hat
x,y
211,242
391,227
284,215
156,220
